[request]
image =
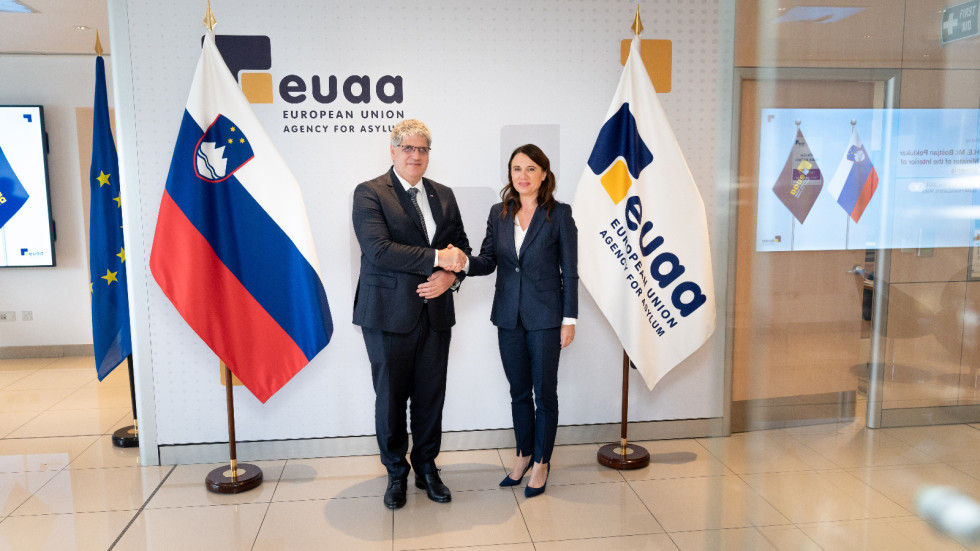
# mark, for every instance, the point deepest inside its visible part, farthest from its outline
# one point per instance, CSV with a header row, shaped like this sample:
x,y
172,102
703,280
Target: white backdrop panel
x,y
476,73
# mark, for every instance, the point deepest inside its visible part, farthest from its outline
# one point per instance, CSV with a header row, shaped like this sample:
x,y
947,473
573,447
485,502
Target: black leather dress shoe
x,y
395,494
432,484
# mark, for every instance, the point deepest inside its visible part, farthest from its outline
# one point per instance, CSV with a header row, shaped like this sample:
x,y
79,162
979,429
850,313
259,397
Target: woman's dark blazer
x,y
542,284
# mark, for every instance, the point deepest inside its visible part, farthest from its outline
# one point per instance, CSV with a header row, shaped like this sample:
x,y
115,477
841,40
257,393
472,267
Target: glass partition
x,y
858,216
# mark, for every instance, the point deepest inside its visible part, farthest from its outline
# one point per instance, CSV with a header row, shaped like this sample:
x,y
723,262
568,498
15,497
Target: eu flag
x,y
107,255
12,192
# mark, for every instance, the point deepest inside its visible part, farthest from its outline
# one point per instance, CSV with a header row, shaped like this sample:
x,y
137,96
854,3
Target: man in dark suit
x,y
412,241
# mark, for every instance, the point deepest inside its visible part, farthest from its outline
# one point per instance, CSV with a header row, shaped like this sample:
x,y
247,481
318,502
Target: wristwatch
x,y
455,285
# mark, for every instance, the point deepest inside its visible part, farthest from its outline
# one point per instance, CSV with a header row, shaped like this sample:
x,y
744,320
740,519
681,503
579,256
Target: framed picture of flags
x,y
836,179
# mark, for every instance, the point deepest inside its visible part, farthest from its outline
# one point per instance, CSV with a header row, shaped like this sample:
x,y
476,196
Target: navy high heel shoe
x,y
508,481
533,492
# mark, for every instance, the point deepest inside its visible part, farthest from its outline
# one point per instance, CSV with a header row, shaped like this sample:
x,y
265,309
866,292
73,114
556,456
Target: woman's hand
x,y
567,335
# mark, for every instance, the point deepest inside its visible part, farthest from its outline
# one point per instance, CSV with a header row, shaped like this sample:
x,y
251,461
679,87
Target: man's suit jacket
x,y
541,285
395,257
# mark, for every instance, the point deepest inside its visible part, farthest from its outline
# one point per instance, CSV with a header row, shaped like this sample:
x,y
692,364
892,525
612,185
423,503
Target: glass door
x,y
802,333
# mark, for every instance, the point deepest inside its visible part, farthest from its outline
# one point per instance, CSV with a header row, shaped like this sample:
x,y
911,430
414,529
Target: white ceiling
x,y
52,29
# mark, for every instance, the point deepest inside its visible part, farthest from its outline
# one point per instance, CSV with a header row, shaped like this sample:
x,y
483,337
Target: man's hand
x,y
437,283
567,335
452,259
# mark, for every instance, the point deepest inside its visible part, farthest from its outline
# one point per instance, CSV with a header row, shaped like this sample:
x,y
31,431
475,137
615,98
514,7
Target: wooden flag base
x,y
221,481
126,437
615,456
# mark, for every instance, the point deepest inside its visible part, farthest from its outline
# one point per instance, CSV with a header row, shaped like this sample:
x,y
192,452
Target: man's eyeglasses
x,y
409,149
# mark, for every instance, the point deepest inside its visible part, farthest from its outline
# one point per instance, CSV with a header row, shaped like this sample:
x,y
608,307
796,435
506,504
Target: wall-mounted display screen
x,y
26,228
834,179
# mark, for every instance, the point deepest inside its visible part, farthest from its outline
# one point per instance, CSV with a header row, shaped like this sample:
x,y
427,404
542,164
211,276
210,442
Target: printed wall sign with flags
x,y
800,182
107,254
643,235
855,181
233,249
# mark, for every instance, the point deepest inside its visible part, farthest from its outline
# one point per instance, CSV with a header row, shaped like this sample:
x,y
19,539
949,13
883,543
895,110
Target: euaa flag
x,y
233,249
643,235
12,192
800,182
855,181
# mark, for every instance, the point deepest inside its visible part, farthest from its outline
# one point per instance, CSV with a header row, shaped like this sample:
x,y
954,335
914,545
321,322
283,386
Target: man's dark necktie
x,y
414,193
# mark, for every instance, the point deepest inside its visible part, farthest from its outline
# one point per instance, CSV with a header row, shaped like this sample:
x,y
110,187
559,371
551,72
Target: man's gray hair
x,y
410,127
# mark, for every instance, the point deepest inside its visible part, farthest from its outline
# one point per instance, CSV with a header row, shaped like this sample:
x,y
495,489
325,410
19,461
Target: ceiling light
x,y
817,14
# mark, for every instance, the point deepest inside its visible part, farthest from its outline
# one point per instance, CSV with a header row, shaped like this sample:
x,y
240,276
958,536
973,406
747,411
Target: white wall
x,y
472,72
58,297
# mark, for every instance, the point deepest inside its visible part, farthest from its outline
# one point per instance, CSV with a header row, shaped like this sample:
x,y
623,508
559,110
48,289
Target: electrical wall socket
x,y
7,316
26,315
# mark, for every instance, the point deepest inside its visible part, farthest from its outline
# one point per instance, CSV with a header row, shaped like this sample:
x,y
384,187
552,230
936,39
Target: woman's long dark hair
x,y
546,197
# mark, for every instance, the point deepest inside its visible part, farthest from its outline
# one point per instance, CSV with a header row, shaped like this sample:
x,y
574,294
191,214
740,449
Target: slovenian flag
x,y
643,235
12,192
855,181
233,249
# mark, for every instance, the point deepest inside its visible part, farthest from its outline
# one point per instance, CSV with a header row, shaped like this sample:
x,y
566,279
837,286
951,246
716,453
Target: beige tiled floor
x,y
64,486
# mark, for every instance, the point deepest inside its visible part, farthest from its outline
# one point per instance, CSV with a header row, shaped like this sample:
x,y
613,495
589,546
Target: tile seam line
x,y
629,484
64,468
142,507
268,507
517,501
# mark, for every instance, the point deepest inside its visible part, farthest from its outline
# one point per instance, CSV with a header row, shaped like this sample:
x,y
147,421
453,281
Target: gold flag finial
x,y
637,25
98,45
209,20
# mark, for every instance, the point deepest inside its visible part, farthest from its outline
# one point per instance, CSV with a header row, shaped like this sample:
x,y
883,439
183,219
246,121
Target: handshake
x,y
452,259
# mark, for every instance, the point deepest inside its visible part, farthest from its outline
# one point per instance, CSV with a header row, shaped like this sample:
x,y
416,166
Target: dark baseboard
x,y
793,411
46,351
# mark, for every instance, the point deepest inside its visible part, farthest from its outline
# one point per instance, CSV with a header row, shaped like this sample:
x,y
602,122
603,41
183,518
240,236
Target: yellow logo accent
x,y
657,57
257,87
803,168
617,181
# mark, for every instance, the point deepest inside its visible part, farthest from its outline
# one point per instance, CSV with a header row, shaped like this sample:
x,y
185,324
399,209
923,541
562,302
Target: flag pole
x,y
622,455
128,437
125,437
239,477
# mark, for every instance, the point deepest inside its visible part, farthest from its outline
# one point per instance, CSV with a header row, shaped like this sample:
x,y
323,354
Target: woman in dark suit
x,y
532,242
